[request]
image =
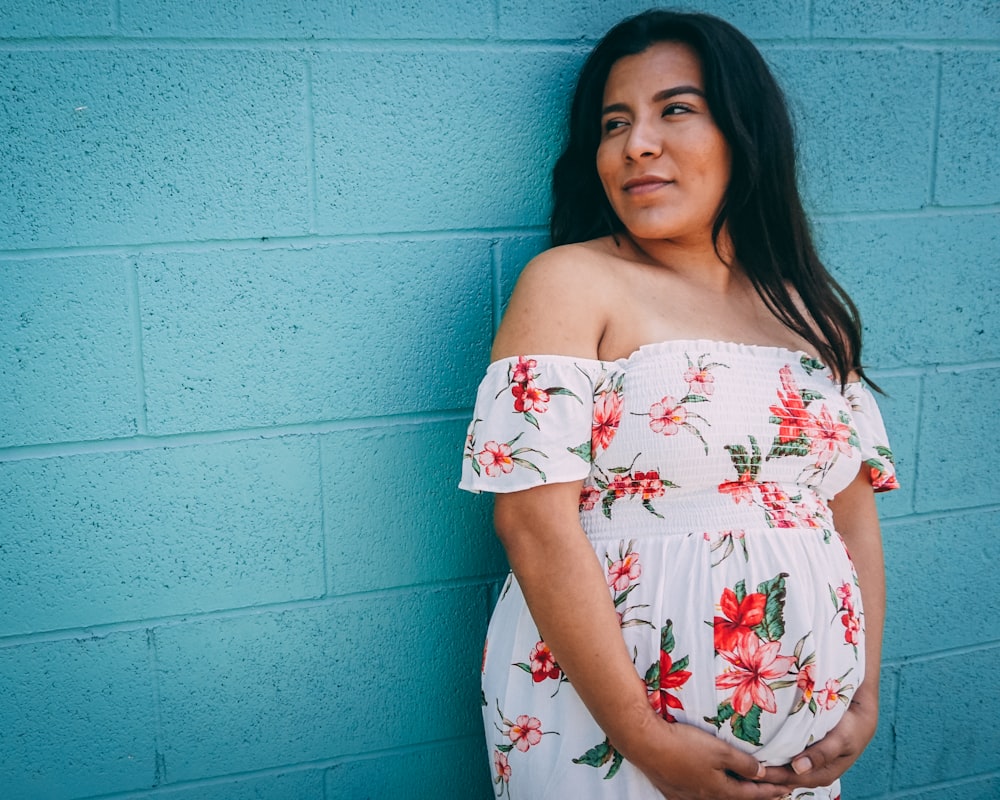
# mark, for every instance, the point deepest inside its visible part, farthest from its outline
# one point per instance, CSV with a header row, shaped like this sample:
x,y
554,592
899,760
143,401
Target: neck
x,y
697,262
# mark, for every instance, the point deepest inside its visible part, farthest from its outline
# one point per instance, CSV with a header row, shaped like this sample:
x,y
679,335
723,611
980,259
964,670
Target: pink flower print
x,y
523,370
543,664
829,696
666,416
623,485
806,681
525,732
607,417
501,765
700,381
792,415
589,495
852,628
496,458
753,663
738,619
485,645
528,397
827,437
844,593
650,484
622,573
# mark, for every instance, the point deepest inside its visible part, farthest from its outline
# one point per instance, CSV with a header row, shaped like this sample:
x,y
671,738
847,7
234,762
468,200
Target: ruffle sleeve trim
x,y
874,441
533,422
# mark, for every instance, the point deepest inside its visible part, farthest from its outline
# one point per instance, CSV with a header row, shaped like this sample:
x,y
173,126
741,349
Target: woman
x,y
676,388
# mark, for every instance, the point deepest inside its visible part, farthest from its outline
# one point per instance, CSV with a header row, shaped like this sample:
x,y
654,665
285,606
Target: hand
x,y
686,763
822,763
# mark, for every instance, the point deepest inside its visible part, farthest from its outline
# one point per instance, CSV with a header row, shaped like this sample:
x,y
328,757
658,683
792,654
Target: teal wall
x,y
251,256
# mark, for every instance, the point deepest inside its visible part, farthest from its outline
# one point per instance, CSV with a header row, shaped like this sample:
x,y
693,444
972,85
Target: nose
x,y
643,141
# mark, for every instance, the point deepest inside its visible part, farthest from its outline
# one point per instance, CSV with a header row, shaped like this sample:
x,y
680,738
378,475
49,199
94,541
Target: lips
x,y
644,184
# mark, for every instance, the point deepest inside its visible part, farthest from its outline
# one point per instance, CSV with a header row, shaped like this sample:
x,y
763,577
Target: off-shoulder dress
x,y
707,468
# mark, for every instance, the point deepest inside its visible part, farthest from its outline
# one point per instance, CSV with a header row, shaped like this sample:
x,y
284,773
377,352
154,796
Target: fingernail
x,y
761,769
801,765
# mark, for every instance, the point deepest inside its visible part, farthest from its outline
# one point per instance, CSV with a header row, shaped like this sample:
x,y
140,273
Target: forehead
x,y
660,66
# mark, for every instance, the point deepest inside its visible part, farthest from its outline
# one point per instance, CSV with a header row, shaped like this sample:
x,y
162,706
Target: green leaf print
x,y
772,627
747,727
584,451
809,364
726,711
808,395
556,390
796,447
530,418
599,755
740,590
667,637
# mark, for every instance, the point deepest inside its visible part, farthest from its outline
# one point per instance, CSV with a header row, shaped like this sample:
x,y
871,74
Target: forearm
x,y
567,593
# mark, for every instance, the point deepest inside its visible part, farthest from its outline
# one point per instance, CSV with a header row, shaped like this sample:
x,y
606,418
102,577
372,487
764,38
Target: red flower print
x,y
543,664
659,698
607,417
501,765
700,381
496,458
622,573
650,484
826,436
528,397
844,595
881,480
523,370
525,732
739,618
485,645
829,696
806,681
754,662
740,489
773,496
792,415
852,625
589,496
667,416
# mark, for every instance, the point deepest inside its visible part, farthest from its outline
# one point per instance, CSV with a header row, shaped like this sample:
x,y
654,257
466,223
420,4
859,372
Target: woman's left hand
x,y
822,763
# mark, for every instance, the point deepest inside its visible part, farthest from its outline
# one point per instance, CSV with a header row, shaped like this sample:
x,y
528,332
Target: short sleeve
x,y
532,424
872,437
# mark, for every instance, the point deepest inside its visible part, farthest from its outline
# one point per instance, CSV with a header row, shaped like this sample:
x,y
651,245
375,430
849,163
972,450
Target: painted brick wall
x,y
251,258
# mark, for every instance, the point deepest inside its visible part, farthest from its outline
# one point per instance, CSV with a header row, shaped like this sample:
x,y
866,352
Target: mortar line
x,y
935,128
105,629
921,791
322,519
496,281
938,655
810,21
921,388
897,683
301,766
496,19
311,147
934,212
293,241
159,758
152,441
138,355
931,516
116,16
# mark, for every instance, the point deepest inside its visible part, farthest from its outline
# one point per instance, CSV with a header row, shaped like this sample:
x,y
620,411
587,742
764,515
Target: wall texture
x,y
251,257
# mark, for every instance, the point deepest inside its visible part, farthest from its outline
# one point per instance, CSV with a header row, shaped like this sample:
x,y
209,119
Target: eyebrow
x,y
659,97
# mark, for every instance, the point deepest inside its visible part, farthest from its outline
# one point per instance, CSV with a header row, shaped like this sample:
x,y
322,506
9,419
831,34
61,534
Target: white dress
x,y
707,469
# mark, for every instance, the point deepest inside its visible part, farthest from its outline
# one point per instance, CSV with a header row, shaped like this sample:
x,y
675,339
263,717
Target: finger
x,y
744,765
817,756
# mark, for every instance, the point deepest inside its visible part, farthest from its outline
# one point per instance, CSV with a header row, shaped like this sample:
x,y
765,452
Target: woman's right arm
x,y
556,310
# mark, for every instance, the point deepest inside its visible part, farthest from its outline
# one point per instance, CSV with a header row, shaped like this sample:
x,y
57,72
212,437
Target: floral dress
x,y
707,468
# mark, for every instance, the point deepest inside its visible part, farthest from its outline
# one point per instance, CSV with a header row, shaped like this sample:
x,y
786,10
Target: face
x,y
662,160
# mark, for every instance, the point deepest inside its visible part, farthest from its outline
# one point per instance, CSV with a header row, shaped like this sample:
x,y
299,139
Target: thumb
x,y
812,758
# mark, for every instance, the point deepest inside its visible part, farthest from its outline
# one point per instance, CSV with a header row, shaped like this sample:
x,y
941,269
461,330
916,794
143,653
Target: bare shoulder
x,y
560,305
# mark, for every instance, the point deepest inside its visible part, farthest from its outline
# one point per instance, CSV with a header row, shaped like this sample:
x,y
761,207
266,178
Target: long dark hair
x,y
761,209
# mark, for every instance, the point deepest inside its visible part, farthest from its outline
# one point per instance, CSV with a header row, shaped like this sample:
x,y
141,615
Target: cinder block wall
x,y
251,257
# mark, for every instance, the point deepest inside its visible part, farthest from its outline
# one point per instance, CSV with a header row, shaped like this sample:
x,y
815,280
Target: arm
x,y
856,518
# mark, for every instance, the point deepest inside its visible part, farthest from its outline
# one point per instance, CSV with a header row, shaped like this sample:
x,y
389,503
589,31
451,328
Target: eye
x,y
613,124
675,109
